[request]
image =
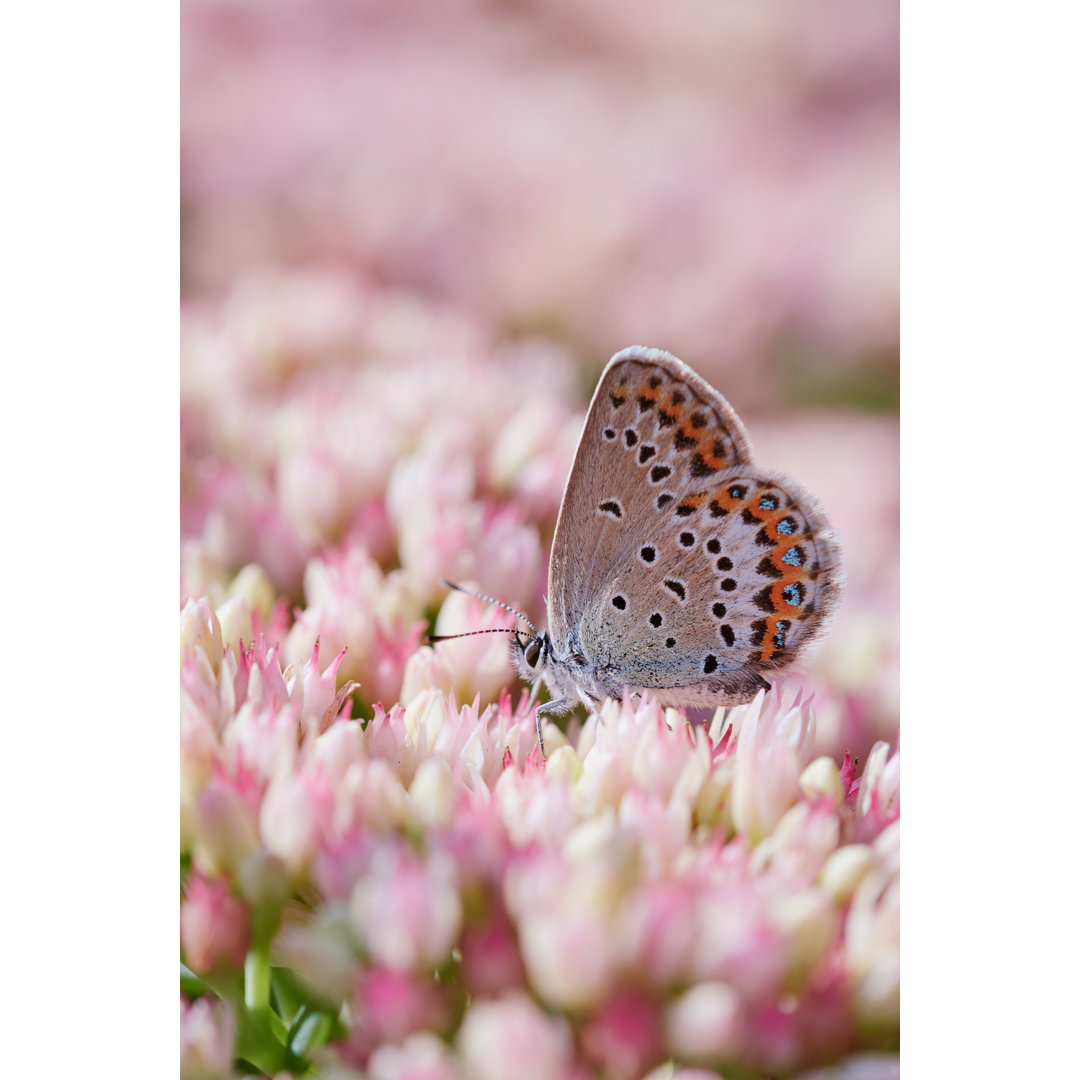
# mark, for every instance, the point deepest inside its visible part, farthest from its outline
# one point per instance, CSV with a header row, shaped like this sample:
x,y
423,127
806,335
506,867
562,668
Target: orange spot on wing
x,y
671,408
688,432
773,624
712,455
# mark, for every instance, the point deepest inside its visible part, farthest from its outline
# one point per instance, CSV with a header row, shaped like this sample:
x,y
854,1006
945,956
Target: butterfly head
x,y
531,655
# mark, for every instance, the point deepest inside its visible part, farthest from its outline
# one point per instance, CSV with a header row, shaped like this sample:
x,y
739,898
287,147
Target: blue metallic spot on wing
x,y
785,527
767,503
793,594
792,557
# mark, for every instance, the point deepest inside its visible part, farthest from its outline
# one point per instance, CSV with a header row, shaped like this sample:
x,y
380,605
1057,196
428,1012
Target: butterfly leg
x,y
549,708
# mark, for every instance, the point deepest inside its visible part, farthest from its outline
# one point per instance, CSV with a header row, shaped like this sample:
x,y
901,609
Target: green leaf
x,y
257,1044
310,1031
191,985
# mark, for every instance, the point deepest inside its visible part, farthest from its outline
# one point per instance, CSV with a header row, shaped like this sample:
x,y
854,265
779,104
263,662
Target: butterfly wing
x,y
653,428
750,573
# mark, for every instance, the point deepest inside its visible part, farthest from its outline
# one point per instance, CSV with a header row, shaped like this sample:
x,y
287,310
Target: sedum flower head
x,y
382,875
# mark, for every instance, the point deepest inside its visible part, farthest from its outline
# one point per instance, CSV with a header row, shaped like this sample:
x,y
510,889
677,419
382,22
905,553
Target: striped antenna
x,y
430,639
490,600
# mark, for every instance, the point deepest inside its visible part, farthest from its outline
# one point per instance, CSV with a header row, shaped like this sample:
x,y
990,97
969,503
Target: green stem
x,y
257,978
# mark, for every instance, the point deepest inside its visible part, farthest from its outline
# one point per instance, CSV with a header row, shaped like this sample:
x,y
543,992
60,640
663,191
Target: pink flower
x,y
322,700
658,926
237,520
319,948
226,819
207,1028
421,1056
433,793
200,633
563,903
215,926
774,742
872,956
296,813
406,911
623,1036
490,958
352,605
801,842
388,1005
878,802
474,743
704,1023
513,1036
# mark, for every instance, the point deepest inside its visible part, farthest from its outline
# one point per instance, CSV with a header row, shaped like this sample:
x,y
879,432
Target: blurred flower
x,y
320,949
206,1040
419,1057
215,926
873,936
513,1036
704,1023
490,958
296,811
389,1005
200,634
353,606
623,1036
406,910
879,790
226,819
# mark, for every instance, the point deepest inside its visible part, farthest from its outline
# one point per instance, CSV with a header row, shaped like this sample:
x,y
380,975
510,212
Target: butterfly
x,y
679,567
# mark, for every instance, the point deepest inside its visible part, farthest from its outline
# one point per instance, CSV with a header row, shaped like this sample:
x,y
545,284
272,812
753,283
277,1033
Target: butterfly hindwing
x,y
735,589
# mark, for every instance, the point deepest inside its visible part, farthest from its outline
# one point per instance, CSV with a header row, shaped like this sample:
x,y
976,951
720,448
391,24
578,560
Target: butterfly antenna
x,y
431,639
490,600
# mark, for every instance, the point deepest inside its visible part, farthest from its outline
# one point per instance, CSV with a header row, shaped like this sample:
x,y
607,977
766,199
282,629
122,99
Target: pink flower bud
x,y
226,817
490,958
254,585
704,1023
207,1030
422,1056
200,631
215,926
774,740
388,1005
296,811
513,1036
623,1036
407,911
237,623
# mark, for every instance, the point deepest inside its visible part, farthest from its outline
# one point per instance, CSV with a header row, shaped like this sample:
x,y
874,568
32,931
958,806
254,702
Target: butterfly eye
x,y
532,654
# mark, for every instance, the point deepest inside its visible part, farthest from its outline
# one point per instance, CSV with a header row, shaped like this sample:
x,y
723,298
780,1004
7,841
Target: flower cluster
x,y
382,877
418,893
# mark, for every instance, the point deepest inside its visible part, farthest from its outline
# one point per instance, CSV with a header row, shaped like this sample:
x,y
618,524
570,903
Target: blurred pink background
x,y
716,178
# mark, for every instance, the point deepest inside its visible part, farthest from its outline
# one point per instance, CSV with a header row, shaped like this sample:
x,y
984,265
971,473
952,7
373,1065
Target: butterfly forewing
x,y
655,434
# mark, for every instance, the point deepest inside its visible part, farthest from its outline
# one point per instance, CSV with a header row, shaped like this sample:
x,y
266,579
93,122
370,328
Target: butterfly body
x,y
679,566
